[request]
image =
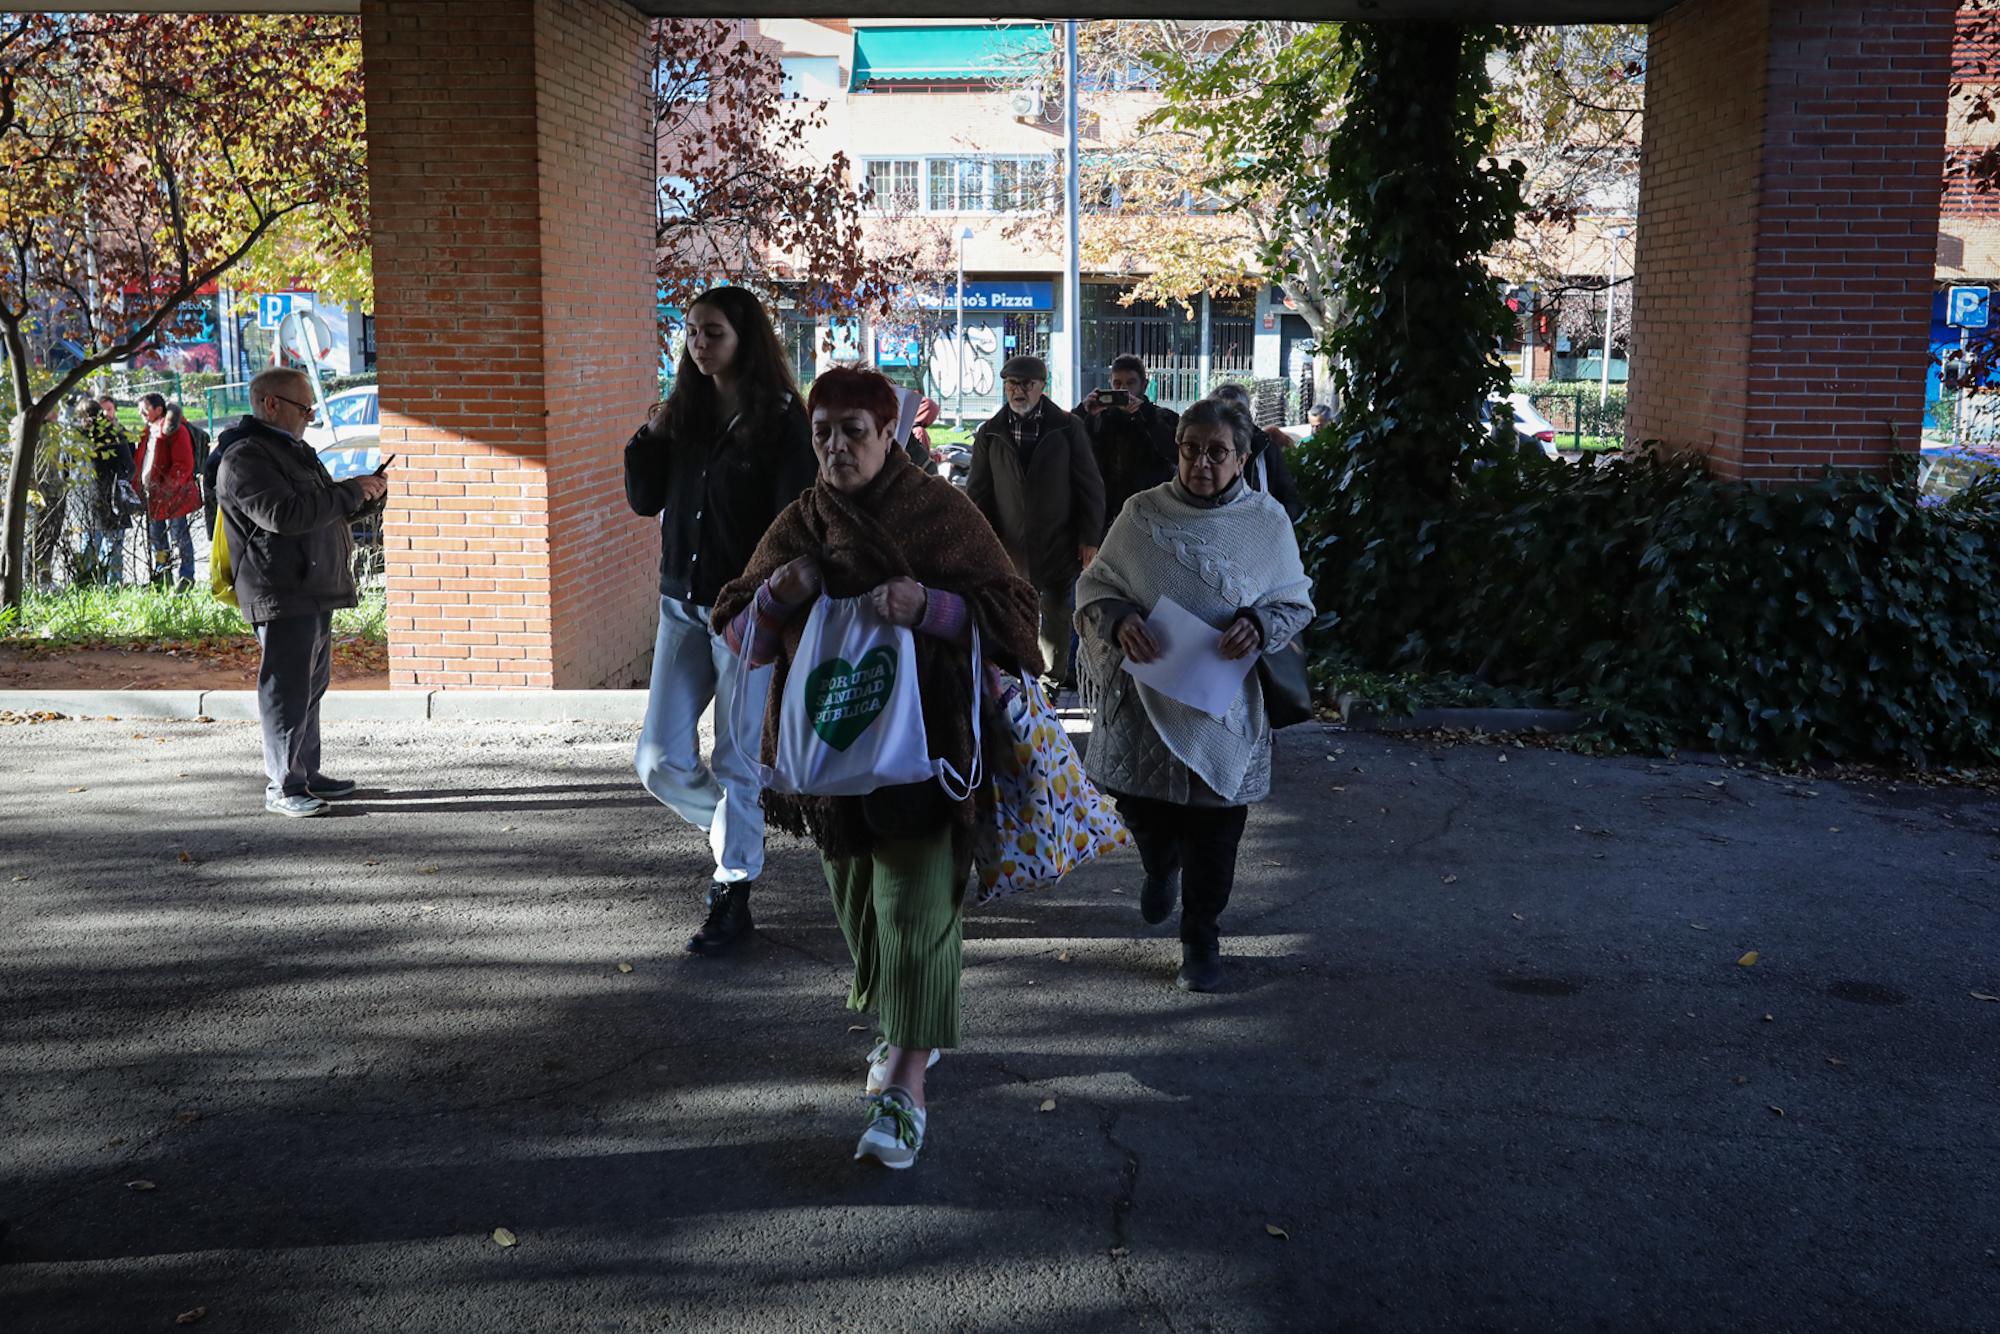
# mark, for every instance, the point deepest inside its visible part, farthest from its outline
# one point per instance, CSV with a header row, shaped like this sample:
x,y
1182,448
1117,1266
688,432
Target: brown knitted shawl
x,y
904,522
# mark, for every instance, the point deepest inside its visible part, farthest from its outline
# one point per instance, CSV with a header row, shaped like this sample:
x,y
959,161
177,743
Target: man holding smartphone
x,y
287,523
1132,438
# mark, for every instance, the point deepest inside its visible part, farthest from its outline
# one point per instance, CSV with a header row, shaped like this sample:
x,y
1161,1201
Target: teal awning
x,y
961,53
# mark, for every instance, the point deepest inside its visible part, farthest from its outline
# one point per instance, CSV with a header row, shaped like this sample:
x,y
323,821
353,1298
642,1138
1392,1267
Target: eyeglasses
x,y
1215,455
307,408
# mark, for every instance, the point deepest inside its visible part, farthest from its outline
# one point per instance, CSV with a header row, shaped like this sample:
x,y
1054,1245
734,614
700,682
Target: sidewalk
x,y
1487,1060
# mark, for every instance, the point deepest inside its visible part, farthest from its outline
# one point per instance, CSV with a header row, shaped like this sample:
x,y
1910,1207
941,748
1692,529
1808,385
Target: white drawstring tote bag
x,y
851,719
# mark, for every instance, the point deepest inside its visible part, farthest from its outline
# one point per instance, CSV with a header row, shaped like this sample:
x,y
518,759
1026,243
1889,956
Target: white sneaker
x,y
895,1130
878,1065
297,807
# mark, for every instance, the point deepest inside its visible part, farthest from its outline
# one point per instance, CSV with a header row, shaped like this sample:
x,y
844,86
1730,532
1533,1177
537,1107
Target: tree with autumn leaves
x,y
742,197
141,157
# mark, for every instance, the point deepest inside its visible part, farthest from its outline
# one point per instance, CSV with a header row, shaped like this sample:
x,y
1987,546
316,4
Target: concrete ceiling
x,y
1509,11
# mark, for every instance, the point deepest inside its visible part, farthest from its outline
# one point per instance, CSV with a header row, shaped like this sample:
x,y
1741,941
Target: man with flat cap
x,y
1036,481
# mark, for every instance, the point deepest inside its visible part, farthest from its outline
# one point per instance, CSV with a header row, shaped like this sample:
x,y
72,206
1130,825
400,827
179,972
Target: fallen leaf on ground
x,y
504,1237
1777,1110
114,1141
189,1317
1749,960
624,967
430,870
19,878
1120,1252
1451,880
140,1184
1768,1019
1697,926
857,1028
187,857
1982,996
1272,1229
1048,1104
1519,918
187,1118
371,862
79,789
506,829
1835,1062
1063,957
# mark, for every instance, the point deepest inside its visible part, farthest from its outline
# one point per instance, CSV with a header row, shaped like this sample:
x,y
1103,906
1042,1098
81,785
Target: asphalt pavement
x,y
1493,1056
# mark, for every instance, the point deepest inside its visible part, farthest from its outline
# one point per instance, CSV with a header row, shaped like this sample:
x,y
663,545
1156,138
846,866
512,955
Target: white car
x,y
1529,424
349,440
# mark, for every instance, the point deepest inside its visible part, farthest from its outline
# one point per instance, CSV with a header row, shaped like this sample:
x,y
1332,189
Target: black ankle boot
x,y
1158,896
728,920
1201,968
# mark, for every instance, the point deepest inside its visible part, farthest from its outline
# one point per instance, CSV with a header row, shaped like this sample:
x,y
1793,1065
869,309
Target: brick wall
x,y
1788,206
510,187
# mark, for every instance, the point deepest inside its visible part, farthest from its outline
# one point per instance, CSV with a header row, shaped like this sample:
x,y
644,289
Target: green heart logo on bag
x,y
844,698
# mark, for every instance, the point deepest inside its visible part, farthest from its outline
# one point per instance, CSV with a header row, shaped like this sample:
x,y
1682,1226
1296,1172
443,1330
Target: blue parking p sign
x,y
1966,307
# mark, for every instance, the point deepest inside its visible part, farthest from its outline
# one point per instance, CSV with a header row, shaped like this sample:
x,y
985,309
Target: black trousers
x,y
1202,842
296,667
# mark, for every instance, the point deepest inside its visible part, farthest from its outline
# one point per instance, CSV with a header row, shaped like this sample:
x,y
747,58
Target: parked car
x,y
1945,470
1531,426
348,442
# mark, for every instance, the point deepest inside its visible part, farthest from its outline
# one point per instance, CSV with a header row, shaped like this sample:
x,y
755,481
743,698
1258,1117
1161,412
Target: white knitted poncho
x,y
1213,560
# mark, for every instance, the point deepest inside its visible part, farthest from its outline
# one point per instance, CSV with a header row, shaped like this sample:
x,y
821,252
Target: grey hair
x,y
1217,411
1319,410
273,380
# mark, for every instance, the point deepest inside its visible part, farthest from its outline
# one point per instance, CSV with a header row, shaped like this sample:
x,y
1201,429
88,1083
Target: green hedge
x,y
1841,619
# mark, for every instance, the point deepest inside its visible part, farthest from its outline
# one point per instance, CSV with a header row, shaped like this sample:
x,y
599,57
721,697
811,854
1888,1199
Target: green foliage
x,y
1410,171
154,614
1836,620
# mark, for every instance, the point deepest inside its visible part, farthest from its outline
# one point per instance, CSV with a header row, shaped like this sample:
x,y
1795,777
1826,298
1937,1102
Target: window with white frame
x,y
982,183
892,185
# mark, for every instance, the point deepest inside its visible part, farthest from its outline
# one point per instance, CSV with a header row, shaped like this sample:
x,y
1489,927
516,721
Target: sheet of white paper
x,y
907,405
1190,668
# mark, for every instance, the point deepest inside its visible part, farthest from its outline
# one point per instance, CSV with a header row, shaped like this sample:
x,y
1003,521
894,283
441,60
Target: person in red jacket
x,y
166,478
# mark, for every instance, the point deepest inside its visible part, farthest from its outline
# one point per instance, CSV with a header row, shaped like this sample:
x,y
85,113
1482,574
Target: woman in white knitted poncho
x,y
1185,779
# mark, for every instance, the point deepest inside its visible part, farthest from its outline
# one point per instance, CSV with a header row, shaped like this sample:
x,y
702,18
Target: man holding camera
x,y
1131,437
287,523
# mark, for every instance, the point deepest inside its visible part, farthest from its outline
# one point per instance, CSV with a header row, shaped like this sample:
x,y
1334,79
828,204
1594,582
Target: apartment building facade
x,y
957,131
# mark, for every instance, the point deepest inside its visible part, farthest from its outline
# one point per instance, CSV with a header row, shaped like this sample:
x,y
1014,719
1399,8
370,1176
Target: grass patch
x,y
146,613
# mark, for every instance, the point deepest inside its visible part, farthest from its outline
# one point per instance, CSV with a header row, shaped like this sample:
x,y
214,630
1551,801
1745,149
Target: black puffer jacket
x,y
287,523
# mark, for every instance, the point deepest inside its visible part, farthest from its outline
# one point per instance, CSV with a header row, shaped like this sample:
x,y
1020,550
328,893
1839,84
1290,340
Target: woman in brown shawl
x,y
896,860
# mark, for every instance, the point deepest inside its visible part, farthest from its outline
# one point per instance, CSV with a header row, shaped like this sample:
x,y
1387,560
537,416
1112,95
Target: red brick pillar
x,y
1787,237
510,169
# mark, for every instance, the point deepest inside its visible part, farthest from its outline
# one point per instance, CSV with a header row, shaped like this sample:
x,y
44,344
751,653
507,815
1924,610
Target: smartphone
x,y
1113,398
384,465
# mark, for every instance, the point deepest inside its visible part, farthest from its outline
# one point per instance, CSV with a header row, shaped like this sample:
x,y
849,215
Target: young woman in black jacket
x,y
717,461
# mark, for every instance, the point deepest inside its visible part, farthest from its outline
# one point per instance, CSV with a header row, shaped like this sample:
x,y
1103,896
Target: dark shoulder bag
x,y
1288,697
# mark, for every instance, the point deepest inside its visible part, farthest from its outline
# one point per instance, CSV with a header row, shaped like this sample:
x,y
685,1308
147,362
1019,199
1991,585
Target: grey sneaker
x,y
296,807
878,1065
895,1130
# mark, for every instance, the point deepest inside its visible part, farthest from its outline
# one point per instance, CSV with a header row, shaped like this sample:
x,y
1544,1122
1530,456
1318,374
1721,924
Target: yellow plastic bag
x,y
221,573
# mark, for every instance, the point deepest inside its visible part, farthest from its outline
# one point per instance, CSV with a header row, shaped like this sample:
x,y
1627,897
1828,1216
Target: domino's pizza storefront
x,y
1003,318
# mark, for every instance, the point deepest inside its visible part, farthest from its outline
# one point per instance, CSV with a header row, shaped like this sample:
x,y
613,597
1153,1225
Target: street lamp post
x,y
1615,235
958,344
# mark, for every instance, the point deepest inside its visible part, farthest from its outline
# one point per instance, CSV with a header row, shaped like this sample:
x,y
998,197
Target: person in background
x,y
1036,481
1185,780
717,461
287,525
920,435
111,461
167,480
1318,417
896,859
1132,440
1266,469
